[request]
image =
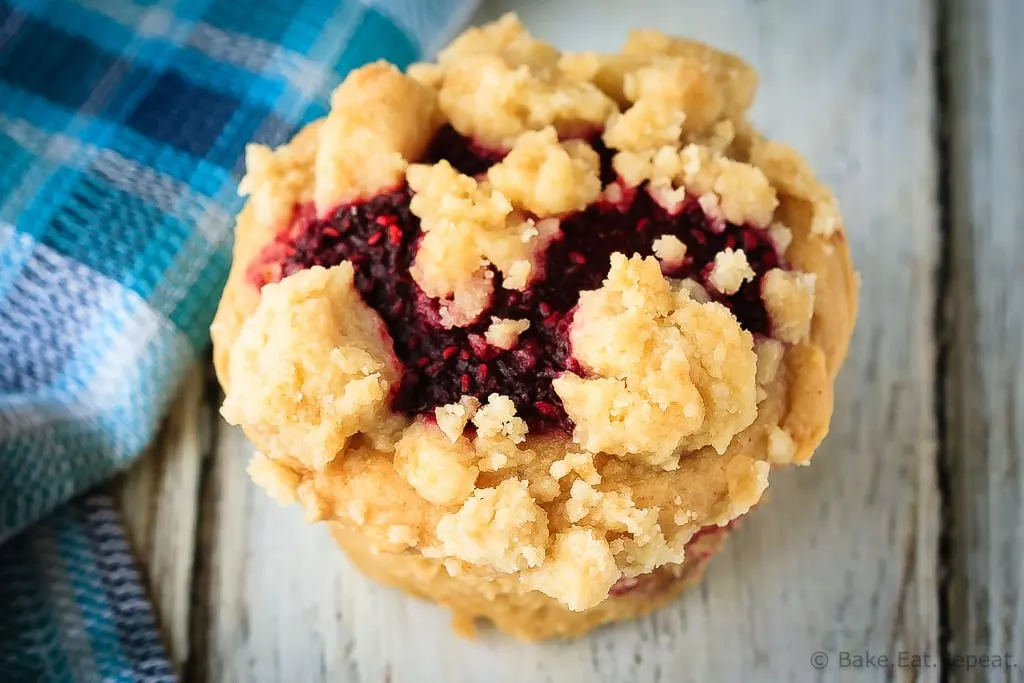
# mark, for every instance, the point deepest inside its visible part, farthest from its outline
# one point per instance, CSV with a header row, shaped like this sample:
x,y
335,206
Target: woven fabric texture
x,y
122,128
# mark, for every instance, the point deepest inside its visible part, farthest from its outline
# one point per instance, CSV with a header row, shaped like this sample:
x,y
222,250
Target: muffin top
x,y
540,316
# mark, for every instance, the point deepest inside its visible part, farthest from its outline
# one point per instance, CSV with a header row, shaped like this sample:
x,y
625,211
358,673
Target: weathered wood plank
x,y
843,554
985,382
158,498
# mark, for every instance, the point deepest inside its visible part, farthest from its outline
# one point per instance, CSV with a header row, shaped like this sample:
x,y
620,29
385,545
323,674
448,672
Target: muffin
x,y
529,329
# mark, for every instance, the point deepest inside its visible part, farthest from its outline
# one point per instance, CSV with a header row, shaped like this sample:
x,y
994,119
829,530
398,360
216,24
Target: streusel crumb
x,y
442,471
781,237
640,545
452,418
781,447
582,463
743,192
738,81
670,250
279,481
506,37
430,75
498,432
646,125
487,98
730,270
498,418
499,82
791,173
279,179
769,358
667,372
311,367
367,139
677,84
500,528
468,225
606,71
505,333
546,177
789,300
580,570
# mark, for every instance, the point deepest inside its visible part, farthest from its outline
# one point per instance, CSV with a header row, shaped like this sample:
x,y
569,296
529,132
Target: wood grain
x,y
985,382
159,499
843,554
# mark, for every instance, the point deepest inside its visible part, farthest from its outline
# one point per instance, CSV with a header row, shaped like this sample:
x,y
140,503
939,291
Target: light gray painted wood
x,y
159,499
842,556
985,387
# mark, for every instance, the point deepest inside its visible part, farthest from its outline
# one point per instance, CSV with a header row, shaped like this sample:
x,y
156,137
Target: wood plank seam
x,y
194,669
946,312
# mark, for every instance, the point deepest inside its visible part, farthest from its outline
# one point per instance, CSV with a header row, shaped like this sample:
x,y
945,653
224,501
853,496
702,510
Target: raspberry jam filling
x,y
379,236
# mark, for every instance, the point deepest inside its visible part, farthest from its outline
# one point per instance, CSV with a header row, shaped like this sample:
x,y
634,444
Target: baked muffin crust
x,y
686,373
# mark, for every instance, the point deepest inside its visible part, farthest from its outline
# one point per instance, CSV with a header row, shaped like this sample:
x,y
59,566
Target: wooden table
x,y
905,534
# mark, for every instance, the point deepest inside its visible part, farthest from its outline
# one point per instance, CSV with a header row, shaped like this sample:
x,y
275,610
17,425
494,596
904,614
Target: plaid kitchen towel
x,y
122,126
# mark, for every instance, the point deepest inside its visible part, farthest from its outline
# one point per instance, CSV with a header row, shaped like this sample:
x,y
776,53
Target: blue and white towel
x,y
122,126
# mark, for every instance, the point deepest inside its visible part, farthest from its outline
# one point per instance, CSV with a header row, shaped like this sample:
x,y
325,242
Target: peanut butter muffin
x,y
530,329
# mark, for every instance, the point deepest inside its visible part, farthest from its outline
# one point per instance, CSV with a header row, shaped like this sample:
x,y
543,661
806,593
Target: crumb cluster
x,y
666,373
312,368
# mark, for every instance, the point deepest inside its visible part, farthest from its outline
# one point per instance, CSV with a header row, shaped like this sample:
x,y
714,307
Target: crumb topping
x,y
769,358
466,227
498,418
279,481
639,544
441,470
311,367
677,84
497,82
367,139
781,237
666,373
742,192
501,528
737,80
504,333
427,74
498,432
791,173
276,180
789,300
670,250
645,125
579,572
452,418
486,98
606,71
582,463
781,447
507,38
730,270
546,177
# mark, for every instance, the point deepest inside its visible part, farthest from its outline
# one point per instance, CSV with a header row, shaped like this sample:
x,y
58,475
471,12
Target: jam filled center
x,y
439,366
